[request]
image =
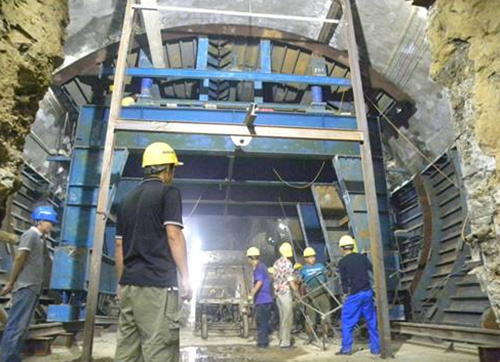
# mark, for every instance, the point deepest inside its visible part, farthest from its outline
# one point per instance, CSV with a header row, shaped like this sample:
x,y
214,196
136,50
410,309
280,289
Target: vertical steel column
x,y
376,249
201,63
265,67
107,162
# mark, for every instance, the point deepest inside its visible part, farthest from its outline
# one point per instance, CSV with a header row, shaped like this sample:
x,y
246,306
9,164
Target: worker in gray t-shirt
x,y
26,282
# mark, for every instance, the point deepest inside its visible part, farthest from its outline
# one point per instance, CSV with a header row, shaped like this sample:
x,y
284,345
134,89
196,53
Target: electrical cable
x,y
400,40
384,116
301,186
401,54
415,59
193,209
419,59
410,54
342,100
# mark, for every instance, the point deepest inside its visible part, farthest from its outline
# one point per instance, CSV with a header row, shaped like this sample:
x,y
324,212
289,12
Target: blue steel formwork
x,y
71,258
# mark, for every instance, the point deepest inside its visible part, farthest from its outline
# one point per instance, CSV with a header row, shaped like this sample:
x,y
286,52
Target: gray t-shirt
x,y
32,275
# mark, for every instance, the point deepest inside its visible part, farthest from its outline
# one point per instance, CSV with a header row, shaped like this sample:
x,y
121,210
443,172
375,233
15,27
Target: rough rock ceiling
x,y
395,36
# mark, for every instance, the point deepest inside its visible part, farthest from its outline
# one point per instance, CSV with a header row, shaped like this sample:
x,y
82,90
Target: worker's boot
x,y
310,339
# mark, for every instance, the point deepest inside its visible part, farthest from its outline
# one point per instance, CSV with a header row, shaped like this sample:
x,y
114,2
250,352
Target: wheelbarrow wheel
x,y
204,326
245,326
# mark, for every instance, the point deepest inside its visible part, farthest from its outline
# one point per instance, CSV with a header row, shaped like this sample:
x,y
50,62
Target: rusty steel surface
x,y
91,63
427,233
456,333
377,254
430,212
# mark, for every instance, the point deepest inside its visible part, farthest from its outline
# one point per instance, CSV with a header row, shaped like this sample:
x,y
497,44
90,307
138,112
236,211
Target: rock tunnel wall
x,y
465,45
31,38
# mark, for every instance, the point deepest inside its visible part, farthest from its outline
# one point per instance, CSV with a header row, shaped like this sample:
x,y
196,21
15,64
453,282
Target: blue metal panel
x,y
350,176
69,262
92,122
144,61
358,203
79,214
109,238
310,216
78,226
214,145
233,76
312,229
87,164
349,172
62,313
310,120
397,312
224,144
73,266
108,282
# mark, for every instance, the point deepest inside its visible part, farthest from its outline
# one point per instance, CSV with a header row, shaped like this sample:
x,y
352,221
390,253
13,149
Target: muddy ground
x,y
228,348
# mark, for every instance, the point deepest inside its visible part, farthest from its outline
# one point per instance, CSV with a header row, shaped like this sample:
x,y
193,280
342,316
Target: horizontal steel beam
x,y
239,203
240,130
234,76
238,105
197,10
264,116
455,333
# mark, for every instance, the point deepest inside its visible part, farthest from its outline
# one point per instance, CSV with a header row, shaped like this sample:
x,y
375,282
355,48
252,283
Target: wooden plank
x,y
240,130
153,32
328,29
377,253
107,162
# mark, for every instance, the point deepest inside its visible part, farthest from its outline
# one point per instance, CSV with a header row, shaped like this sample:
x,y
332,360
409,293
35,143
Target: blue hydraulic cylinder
x,y
317,94
146,85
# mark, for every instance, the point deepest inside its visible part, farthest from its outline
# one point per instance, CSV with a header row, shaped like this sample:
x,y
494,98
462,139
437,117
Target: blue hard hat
x,y
45,213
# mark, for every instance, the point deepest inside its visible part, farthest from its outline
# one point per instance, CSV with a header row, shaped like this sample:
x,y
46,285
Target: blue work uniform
x,y
314,276
355,279
263,304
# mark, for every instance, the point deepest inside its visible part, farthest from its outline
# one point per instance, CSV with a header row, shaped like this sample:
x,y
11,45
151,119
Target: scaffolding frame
x,y
361,135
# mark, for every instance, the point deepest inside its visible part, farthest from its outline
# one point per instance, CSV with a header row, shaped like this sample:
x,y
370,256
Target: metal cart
x,y
222,297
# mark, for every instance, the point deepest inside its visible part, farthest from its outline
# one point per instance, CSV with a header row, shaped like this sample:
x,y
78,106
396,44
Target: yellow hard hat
x,y
270,270
128,101
286,250
297,266
309,252
346,240
159,153
253,251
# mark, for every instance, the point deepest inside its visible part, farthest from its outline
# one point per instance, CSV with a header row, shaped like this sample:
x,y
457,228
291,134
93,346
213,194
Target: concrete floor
x,y
226,349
